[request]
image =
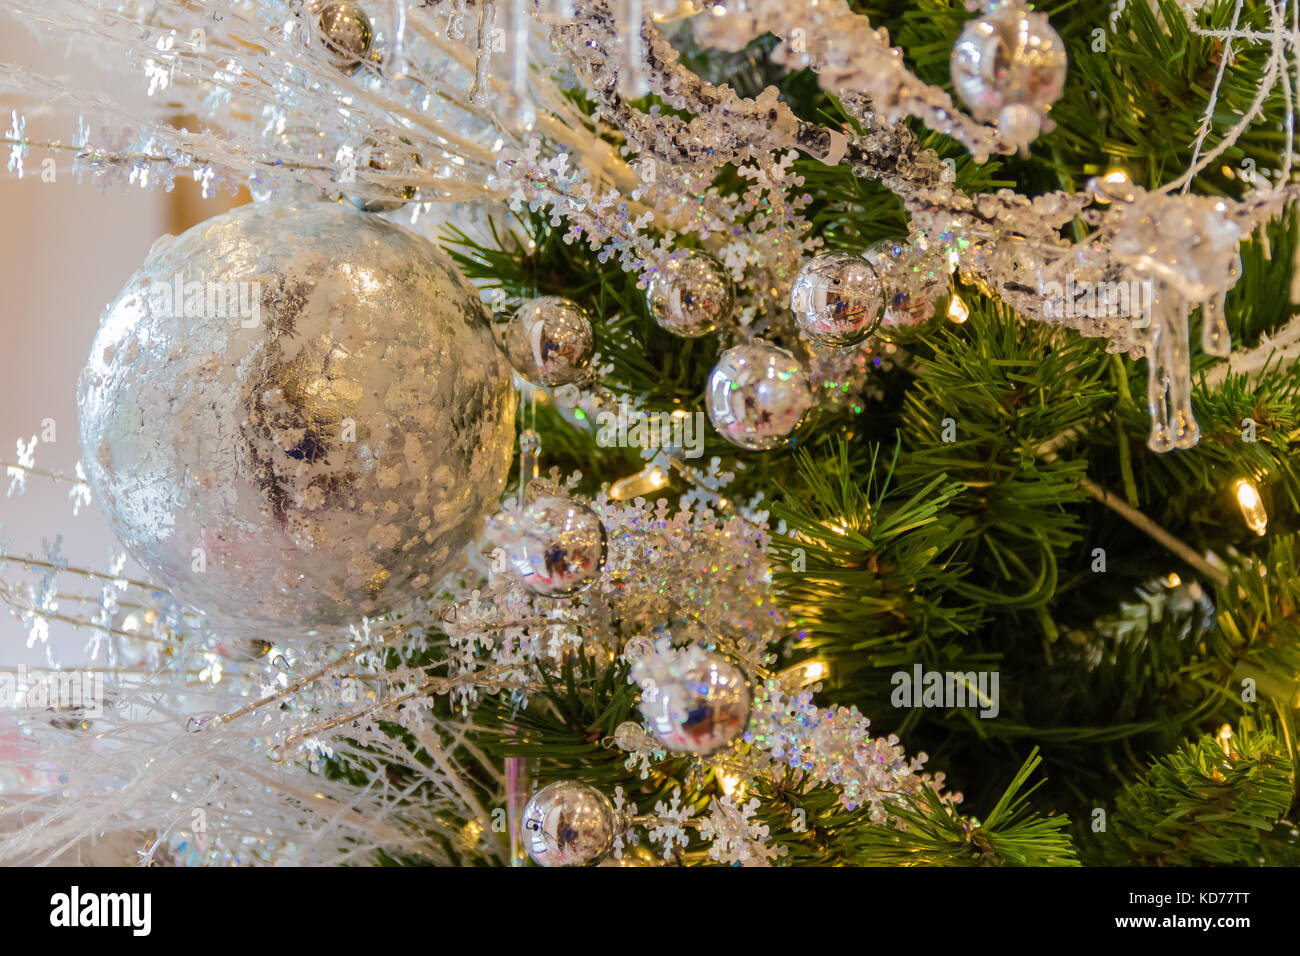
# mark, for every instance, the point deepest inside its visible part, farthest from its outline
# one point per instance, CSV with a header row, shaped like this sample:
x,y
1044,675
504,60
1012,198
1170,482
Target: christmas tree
x,y
759,474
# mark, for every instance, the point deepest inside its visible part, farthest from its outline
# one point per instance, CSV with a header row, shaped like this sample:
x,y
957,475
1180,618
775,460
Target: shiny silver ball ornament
x,y
567,823
836,299
757,395
1009,65
530,443
700,710
561,548
385,160
296,415
912,286
549,341
691,294
345,33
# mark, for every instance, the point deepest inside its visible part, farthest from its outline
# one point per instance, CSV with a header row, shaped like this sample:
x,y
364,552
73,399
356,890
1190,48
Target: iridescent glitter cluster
x,y
835,746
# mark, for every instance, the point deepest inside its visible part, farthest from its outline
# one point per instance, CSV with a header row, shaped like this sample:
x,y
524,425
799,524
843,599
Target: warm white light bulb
x,y
1252,506
958,311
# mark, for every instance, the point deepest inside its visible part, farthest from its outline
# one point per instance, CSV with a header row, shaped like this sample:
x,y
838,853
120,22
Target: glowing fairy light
x,y
958,311
804,674
651,478
1224,738
1252,506
733,785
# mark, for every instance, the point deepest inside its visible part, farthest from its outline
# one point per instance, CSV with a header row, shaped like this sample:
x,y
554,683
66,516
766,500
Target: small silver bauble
x,y
836,299
385,160
691,294
549,341
701,710
757,395
637,647
561,548
630,736
567,823
530,443
904,308
1009,58
345,33
295,415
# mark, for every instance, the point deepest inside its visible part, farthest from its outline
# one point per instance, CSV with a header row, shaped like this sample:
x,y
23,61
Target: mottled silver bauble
x,y
701,710
385,160
836,299
310,430
561,548
567,823
549,341
757,395
691,294
345,33
1007,59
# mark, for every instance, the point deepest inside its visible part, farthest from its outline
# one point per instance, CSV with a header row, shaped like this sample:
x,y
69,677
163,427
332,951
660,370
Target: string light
x,y
733,785
804,674
648,479
958,311
1252,506
1224,738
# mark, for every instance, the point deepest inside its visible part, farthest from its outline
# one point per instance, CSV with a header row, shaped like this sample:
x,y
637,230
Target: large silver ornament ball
x,y
691,294
567,823
1009,58
549,341
757,395
836,299
294,415
701,710
562,546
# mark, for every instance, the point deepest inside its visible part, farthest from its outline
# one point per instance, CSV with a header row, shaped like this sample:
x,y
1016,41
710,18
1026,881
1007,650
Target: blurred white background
x,y
66,248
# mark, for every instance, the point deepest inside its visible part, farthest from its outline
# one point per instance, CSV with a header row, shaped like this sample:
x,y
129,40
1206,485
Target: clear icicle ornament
x,y
1183,250
1169,382
522,111
632,79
